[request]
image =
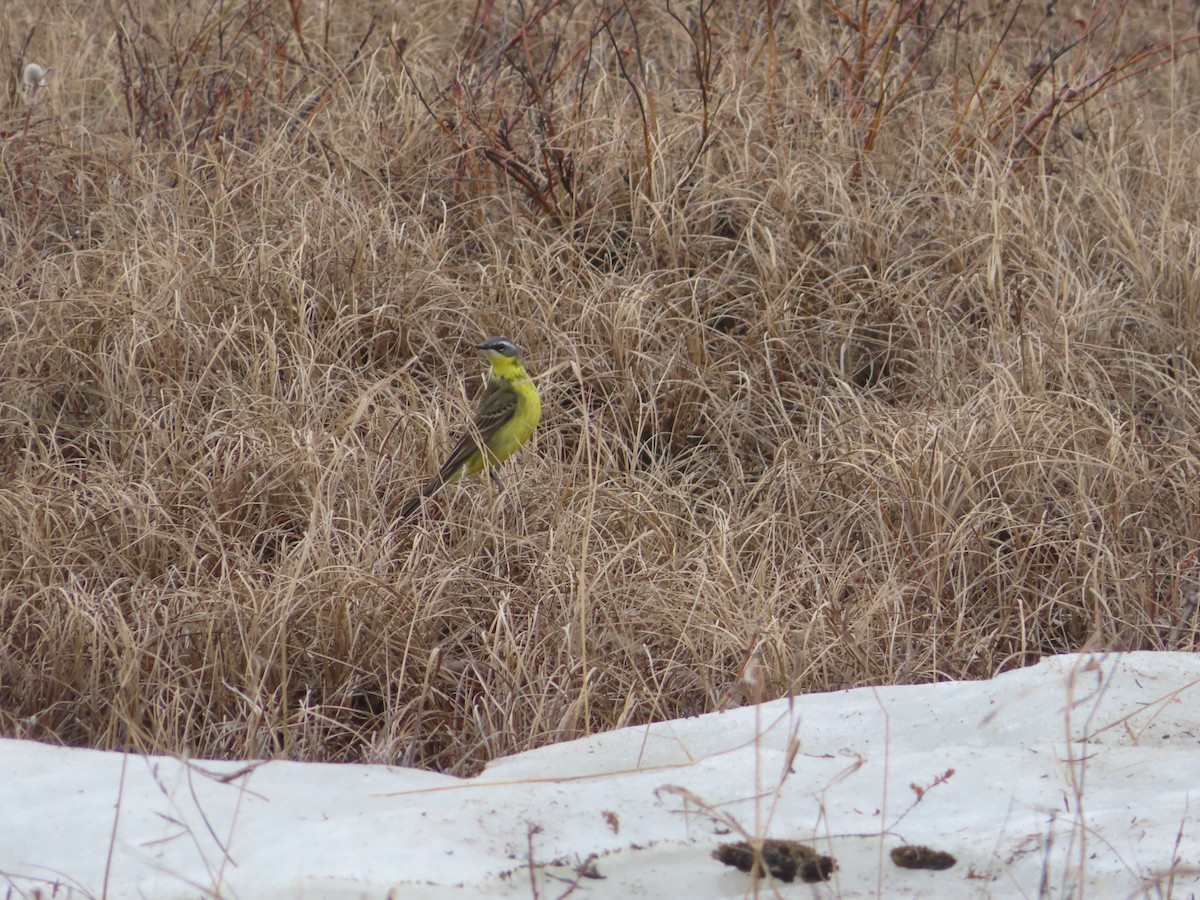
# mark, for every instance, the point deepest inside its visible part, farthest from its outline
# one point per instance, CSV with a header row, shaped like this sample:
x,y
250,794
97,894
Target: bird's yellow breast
x,y
517,430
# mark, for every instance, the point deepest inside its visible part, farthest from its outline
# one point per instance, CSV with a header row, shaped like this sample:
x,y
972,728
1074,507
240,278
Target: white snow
x,y
1077,776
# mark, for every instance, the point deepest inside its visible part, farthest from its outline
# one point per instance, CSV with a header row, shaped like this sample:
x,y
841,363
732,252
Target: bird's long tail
x,y
414,505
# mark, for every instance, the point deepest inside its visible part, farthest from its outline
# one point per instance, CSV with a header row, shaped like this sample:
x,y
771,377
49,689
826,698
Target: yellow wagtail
x,y
507,414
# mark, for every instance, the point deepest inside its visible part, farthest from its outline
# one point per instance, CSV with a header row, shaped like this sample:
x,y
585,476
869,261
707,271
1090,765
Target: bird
x,y
508,412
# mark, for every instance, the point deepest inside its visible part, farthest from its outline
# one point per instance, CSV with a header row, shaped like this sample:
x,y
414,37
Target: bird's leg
x,y
496,480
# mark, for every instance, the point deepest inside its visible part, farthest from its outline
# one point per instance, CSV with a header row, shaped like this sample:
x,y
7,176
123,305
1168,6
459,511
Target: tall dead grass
x,y
868,349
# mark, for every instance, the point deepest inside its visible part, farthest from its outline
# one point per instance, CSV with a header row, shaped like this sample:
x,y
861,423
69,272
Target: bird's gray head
x,y
501,345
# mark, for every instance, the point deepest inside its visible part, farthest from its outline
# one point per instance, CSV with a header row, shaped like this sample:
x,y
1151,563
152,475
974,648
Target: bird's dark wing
x,y
497,407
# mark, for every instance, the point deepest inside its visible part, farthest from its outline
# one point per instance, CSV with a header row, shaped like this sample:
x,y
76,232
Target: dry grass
x,y
864,361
